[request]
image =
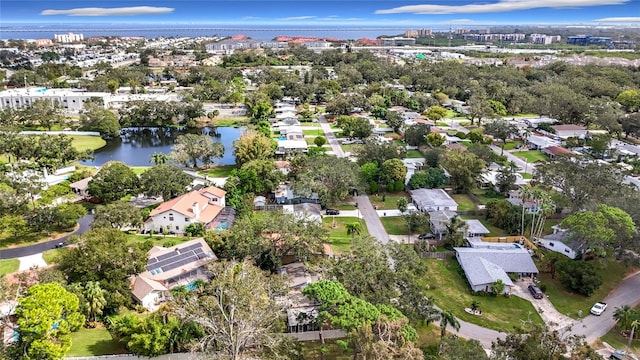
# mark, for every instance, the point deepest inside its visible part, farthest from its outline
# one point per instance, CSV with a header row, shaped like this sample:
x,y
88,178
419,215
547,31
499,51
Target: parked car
x,y
332,212
535,291
426,236
598,308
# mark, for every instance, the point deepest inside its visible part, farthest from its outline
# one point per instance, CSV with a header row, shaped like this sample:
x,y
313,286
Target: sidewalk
x,y
28,262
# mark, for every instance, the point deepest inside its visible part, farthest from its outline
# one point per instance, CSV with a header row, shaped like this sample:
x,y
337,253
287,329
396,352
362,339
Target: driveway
x,y
524,165
34,249
543,306
370,216
331,137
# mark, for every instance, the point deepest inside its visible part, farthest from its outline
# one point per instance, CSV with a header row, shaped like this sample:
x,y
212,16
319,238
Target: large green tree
x,y
46,315
163,180
237,312
253,146
114,181
330,177
193,150
104,255
464,169
119,215
104,121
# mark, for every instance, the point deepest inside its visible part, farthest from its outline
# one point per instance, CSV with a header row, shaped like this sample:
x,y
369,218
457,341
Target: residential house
x,y
569,130
560,242
438,222
515,198
291,141
537,142
284,194
628,150
535,122
202,206
485,266
475,229
167,268
428,200
305,211
81,187
554,151
489,179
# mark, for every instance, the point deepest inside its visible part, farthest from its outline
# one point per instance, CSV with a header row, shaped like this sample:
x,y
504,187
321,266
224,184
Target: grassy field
x,y
526,175
311,351
390,200
314,132
50,256
531,156
486,195
510,145
219,171
569,303
394,225
9,266
451,292
158,240
83,142
94,342
231,121
615,339
495,231
414,154
464,202
139,170
339,239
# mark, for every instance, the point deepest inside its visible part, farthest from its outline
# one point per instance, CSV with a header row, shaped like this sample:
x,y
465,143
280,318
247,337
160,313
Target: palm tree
x,y
353,229
447,318
623,316
455,233
95,298
158,158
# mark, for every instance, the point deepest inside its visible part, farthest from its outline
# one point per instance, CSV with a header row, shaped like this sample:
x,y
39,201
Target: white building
x,y
558,242
168,268
428,200
569,130
68,38
198,206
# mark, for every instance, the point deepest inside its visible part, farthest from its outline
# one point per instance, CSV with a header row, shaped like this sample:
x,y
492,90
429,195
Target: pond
x,y
135,146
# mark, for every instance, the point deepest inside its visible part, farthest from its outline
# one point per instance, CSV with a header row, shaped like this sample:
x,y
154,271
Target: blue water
x,y
223,226
191,286
135,146
265,32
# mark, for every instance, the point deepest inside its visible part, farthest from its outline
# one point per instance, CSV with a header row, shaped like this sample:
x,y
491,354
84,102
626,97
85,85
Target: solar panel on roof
x,y
177,257
178,263
166,256
190,247
153,260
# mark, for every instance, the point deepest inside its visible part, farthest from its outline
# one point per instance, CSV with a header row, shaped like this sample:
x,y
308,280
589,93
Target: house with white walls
x,y
196,206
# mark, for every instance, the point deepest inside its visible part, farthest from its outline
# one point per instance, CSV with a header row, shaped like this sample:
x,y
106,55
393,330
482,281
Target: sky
x,y
328,13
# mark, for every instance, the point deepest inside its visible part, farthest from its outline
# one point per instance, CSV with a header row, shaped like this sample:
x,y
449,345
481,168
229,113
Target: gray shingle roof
x,y
476,227
424,198
485,266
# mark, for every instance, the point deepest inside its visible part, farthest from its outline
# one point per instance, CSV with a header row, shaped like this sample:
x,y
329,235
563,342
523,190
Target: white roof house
x,y
541,142
483,266
428,200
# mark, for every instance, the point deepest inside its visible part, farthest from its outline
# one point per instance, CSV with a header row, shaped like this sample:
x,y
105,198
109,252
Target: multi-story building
x,y
398,41
411,33
585,40
68,38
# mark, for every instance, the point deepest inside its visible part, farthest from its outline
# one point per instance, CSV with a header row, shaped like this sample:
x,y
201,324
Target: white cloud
x,y
619,19
294,18
121,11
500,6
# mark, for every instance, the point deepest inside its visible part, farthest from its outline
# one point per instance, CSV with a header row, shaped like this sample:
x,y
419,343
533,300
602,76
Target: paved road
x,y
331,137
48,245
370,216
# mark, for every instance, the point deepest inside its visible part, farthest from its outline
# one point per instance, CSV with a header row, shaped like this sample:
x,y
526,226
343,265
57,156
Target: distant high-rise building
x,y
424,32
411,33
462,31
543,39
68,38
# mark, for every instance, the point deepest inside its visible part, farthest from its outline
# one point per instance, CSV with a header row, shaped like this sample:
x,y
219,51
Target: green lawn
x,y
344,207
347,148
390,200
450,291
219,171
495,231
83,142
395,225
94,342
414,154
569,303
531,156
139,170
339,239
314,132
50,256
232,121
510,145
464,202
9,266
158,240
311,350
618,341
526,175
485,195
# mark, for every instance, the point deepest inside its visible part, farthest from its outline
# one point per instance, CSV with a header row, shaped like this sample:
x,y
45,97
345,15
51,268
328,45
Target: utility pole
x,y
25,80
450,35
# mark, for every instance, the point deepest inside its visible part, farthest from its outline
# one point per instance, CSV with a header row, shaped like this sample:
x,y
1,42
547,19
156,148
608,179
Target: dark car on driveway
x,y
426,236
536,292
332,212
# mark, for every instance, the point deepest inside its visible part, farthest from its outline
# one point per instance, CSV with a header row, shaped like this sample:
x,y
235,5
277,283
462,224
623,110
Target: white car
x,y
598,308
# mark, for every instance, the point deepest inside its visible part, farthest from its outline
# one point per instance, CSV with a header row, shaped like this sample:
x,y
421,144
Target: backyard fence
x,y
438,254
